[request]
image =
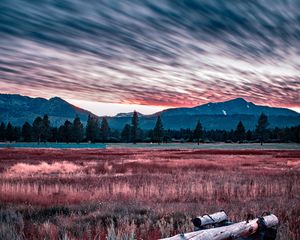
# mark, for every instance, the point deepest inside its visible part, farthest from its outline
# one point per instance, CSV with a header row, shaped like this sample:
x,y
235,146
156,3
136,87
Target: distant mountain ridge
x,y
221,115
129,114
231,107
17,109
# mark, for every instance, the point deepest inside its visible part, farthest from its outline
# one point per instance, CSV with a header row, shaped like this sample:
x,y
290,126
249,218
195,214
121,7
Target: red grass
x,y
152,193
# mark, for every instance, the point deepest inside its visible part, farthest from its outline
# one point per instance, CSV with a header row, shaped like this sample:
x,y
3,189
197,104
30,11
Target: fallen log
x,y
209,219
234,231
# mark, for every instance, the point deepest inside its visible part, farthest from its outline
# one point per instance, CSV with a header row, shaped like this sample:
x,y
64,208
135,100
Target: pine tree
x,y
27,132
2,132
115,135
54,134
92,128
240,132
38,129
158,131
17,134
89,128
9,132
41,129
67,131
96,128
61,134
249,135
77,131
104,130
231,135
46,134
125,135
134,127
198,132
261,127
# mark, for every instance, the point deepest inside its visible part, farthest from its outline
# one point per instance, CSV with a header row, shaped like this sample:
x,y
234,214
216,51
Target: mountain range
x,y
221,115
18,109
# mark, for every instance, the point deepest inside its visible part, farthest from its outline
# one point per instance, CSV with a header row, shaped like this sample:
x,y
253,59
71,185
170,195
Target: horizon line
x,y
143,109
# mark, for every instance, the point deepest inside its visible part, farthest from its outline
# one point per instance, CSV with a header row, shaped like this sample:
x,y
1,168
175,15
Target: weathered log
x,y
270,221
236,230
210,219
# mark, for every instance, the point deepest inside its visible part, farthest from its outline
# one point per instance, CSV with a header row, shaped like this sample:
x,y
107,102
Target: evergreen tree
x,y
77,130
240,132
67,131
38,129
17,134
125,135
134,127
96,128
89,128
225,136
104,130
261,127
46,134
27,132
275,133
158,131
2,132
141,134
9,132
92,129
54,134
198,132
167,136
231,136
296,133
249,135
61,134
115,136
149,136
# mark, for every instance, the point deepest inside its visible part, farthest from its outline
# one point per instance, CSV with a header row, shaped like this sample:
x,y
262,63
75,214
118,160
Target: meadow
x,y
142,193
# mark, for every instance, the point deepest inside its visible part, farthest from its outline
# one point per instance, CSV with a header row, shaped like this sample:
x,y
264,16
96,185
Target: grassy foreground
x,y
142,193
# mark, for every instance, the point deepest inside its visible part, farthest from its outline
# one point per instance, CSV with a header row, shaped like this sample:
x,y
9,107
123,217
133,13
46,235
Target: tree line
x,y
99,131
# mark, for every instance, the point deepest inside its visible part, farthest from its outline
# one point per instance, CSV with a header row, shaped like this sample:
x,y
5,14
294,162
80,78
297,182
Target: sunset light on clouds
x,y
142,119
116,56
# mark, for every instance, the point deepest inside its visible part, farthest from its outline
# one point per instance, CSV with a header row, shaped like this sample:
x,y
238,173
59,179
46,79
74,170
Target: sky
x,y
119,55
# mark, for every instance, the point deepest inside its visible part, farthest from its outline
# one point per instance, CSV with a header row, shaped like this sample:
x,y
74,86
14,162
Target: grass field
x,y
143,193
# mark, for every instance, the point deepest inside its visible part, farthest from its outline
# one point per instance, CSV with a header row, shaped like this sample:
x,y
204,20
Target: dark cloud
x,y
172,52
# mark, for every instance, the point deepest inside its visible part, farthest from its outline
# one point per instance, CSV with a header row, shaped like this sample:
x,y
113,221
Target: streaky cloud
x,y
164,53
